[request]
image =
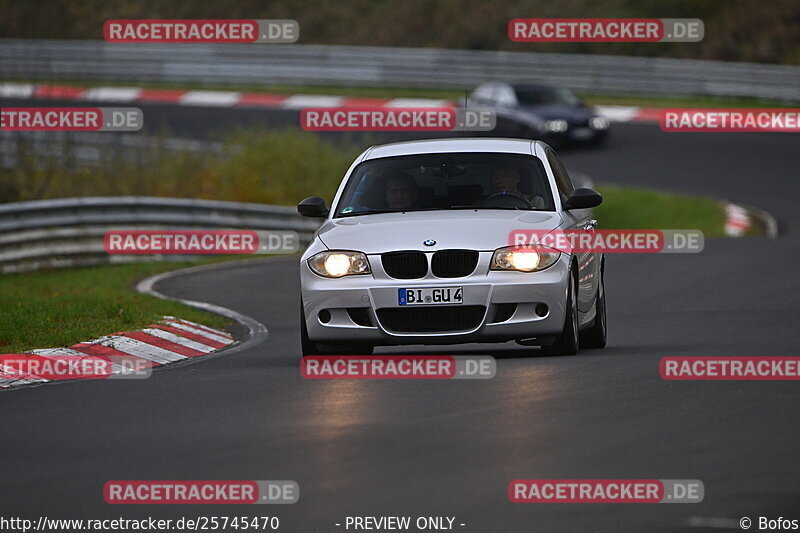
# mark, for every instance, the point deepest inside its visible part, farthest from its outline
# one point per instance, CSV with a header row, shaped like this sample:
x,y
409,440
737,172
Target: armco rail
x,y
386,67
69,232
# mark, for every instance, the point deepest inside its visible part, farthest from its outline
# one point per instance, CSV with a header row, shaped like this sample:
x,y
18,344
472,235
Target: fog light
x,y
541,310
324,316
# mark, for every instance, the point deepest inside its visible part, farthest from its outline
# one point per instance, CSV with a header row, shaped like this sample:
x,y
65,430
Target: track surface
x,y
450,448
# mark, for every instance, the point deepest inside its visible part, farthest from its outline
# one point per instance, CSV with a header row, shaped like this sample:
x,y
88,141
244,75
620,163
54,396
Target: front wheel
x,y
567,342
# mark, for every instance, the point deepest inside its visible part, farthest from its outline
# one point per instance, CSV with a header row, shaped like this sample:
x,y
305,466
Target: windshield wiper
x,y
367,212
451,208
376,211
486,207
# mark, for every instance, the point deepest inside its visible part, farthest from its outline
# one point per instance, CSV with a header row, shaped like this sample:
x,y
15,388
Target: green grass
x,y
690,101
271,167
50,309
439,94
631,208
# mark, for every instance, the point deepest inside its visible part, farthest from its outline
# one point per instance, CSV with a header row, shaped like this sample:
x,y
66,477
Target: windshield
x,y
446,181
546,96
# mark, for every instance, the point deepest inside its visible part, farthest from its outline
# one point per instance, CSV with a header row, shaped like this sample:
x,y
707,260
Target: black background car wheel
x,y
567,342
595,336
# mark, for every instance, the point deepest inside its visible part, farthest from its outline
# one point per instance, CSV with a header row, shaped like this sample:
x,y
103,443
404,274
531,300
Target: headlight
x,y
599,123
335,264
524,259
555,126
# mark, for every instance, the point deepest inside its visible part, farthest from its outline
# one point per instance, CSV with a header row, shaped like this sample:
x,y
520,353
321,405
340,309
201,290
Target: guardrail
x,y
387,67
69,232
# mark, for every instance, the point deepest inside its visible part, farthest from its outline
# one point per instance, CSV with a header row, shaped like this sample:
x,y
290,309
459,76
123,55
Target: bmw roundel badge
x,y
429,242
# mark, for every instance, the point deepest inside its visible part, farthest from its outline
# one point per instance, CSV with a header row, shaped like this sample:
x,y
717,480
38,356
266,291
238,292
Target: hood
x,y
558,111
484,230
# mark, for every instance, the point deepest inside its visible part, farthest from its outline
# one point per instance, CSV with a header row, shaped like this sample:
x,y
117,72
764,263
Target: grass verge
x,y
632,208
50,309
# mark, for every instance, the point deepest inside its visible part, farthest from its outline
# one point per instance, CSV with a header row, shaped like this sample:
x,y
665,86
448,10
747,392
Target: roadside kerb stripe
x,y
615,113
105,351
190,329
201,327
171,340
176,339
192,336
140,349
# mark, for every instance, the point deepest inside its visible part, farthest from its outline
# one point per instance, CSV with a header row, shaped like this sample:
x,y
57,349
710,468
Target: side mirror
x,y
313,207
583,198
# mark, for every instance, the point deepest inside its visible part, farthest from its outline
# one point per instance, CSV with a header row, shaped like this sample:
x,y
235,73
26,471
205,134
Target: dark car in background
x,y
553,114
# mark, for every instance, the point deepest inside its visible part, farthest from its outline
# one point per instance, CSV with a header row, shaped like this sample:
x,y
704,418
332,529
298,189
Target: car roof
x,y
532,87
460,144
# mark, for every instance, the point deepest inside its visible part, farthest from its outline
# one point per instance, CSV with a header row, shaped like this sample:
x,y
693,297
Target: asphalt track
x,y
416,448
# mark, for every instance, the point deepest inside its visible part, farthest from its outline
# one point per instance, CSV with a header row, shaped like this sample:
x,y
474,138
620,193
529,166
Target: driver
x,y
506,178
401,191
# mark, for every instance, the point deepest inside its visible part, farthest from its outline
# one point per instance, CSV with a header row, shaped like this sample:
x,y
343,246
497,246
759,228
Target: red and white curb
x,y
737,220
132,95
170,341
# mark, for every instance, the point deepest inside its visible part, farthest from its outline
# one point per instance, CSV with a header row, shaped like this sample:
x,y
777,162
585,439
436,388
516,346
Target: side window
x,y
563,182
504,96
483,94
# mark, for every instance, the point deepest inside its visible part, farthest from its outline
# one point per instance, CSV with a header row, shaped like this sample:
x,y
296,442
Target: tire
x,y
595,336
309,347
568,341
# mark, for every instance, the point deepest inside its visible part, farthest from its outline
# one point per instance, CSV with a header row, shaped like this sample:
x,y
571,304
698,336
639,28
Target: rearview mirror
x,y
313,207
583,198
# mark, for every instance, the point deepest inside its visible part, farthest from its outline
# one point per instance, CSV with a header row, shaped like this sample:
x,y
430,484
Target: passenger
x,y
401,191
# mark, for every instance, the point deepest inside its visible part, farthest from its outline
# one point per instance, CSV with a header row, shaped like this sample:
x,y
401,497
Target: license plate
x,y
582,133
430,296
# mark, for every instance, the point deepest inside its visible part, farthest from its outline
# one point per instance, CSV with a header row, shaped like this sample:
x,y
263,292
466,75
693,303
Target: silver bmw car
x,y
415,249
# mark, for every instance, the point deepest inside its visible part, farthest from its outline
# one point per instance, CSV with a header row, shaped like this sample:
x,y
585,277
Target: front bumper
x,y
576,134
329,305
